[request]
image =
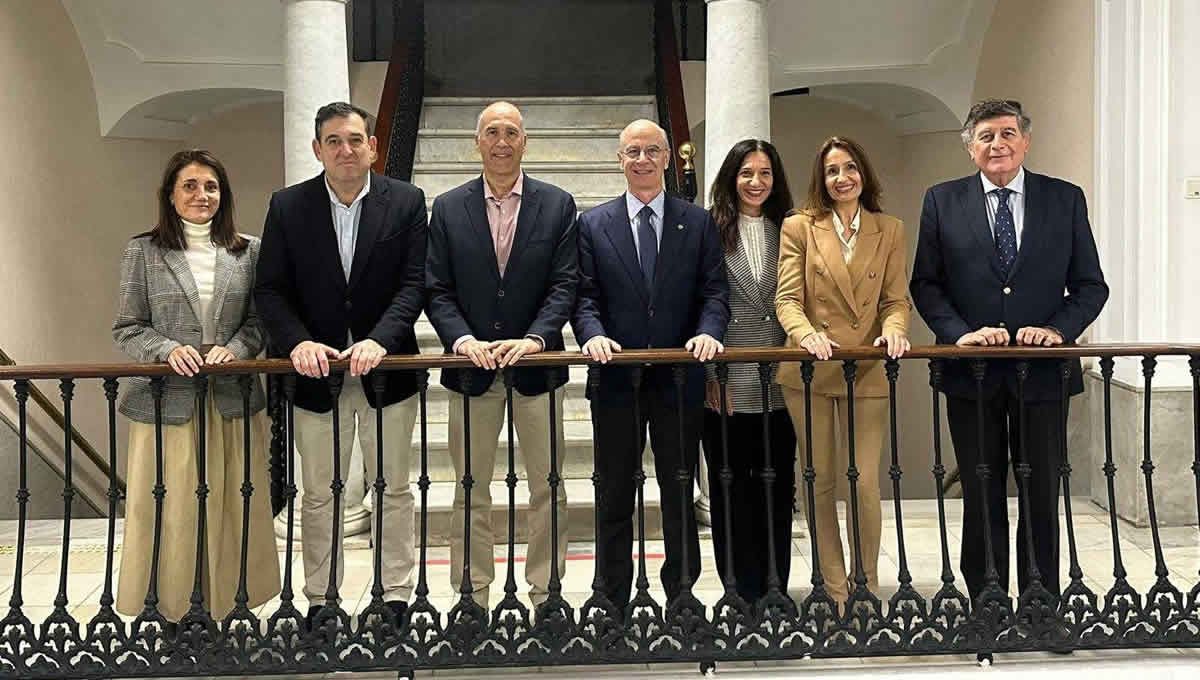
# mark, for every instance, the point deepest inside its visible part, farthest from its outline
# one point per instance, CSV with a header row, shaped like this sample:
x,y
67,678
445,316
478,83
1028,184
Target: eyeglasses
x,y
634,152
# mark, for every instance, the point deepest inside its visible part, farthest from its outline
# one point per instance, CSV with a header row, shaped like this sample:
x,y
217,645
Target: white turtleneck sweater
x,y
202,258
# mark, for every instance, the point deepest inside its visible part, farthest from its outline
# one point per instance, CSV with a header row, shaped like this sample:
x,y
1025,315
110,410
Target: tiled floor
x,y
86,562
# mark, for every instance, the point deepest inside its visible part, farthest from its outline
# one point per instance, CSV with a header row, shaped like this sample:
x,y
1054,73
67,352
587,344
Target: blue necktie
x,y
647,245
1006,232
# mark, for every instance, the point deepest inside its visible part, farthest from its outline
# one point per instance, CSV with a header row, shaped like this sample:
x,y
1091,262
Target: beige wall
x,y
1041,53
71,200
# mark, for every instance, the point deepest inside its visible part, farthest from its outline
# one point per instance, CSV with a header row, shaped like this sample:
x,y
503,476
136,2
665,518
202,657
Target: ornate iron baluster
x,y
907,606
993,610
1077,597
152,637
16,630
197,629
1164,602
819,607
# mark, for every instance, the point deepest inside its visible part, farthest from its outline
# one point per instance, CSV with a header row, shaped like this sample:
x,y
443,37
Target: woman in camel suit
x,y
842,282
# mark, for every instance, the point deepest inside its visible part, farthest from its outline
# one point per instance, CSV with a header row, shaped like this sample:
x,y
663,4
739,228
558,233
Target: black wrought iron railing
x,y
917,619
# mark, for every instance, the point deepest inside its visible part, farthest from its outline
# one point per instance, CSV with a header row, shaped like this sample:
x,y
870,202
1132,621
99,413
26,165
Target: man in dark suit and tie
x,y
652,275
341,275
1007,255
502,270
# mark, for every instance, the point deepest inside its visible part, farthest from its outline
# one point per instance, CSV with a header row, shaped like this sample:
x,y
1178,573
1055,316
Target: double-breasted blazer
x,y
851,303
302,291
752,321
159,310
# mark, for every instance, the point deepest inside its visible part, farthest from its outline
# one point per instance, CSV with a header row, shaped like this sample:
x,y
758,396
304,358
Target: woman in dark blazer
x,y
749,200
186,300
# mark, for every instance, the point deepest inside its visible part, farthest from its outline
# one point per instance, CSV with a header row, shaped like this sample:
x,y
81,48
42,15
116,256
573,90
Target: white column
x,y
316,72
737,105
737,99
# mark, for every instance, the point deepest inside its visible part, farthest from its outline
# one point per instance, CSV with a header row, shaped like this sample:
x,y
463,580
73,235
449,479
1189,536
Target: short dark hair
x,y
168,232
819,202
995,108
724,196
340,110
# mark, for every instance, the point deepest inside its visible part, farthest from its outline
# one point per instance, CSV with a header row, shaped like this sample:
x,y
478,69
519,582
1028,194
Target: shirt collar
x,y
1017,185
854,223
634,205
333,197
516,190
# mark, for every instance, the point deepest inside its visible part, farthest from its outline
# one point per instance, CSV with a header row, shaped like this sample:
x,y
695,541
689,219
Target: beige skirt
x,y
224,456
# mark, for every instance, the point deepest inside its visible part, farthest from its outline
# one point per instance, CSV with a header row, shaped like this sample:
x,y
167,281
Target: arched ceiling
x,y
159,65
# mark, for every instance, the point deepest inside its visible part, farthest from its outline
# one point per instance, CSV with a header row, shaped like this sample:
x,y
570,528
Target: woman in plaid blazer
x,y
185,299
749,199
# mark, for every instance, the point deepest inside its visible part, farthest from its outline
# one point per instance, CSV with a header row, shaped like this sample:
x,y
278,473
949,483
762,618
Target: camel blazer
x,y
852,303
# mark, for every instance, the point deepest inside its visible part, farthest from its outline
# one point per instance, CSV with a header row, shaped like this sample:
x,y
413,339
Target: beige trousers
x,y
314,440
224,461
531,418
870,418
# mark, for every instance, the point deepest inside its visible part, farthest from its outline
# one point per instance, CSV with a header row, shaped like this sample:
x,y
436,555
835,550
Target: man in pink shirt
x,y
501,269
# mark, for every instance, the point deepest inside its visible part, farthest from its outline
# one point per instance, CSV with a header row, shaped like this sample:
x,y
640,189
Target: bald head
x,y
642,128
644,155
501,109
500,139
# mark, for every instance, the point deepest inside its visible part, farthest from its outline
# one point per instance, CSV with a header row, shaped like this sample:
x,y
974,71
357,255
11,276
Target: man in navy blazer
x,y
651,275
502,269
341,275
1007,256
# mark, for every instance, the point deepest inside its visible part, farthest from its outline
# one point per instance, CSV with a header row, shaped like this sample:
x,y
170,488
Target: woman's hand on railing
x,y
185,360
897,343
984,336
819,345
712,397
218,355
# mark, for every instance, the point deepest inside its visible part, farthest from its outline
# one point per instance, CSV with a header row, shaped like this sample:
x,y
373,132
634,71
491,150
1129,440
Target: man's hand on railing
x,y
311,359
897,343
818,345
185,360
478,351
600,349
507,352
1038,336
704,347
984,336
218,355
364,356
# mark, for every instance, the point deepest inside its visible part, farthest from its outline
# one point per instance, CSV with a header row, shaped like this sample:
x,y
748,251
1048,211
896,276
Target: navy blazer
x,y
302,293
690,295
957,286
467,295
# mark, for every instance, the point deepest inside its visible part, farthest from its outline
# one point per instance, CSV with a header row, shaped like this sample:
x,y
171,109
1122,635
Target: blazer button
x,y
496,325
766,317
1007,290
349,304
866,303
854,325
735,320
824,324
500,293
820,298
871,275
650,312
1002,324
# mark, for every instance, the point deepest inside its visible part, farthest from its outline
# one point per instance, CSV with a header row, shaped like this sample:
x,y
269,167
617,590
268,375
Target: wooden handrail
x,y
639,356
672,107
39,397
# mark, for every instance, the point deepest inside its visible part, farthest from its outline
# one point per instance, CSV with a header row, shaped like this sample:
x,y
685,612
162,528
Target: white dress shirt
x,y
1016,202
752,233
345,229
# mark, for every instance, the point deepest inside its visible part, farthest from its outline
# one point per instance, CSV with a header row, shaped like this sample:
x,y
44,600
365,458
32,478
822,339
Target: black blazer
x,y
467,295
690,295
957,287
302,293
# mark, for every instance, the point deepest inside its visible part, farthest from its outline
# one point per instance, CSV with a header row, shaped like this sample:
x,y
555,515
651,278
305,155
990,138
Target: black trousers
x,y
619,442
1043,447
748,500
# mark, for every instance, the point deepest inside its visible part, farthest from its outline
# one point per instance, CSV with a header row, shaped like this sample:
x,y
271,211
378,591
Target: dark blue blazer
x,y
957,286
467,295
690,295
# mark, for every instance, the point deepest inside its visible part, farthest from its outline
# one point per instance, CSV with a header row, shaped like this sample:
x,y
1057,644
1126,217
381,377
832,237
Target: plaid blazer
x,y
159,310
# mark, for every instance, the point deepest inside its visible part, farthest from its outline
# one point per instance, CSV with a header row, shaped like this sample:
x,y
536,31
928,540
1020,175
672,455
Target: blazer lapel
x,y
526,222
835,265
674,233
770,273
975,208
1035,216
323,237
178,264
865,248
620,233
476,207
370,220
222,274
738,263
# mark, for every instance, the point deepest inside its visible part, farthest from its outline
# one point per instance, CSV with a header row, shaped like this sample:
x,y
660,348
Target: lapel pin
x,y
679,227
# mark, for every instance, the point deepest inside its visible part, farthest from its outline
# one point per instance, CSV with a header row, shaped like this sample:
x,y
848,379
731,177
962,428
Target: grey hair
x,y
479,119
995,108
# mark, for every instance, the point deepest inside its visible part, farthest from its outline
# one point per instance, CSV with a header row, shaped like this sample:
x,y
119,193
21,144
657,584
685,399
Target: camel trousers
x,y
531,420
870,418
224,465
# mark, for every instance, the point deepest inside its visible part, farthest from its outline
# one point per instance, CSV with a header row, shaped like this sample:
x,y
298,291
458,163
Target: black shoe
x,y
311,617
399,608
984,658
1064,650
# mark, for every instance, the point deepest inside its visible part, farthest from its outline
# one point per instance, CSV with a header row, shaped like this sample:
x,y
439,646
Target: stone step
x,y
550,144
580,178
541,112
